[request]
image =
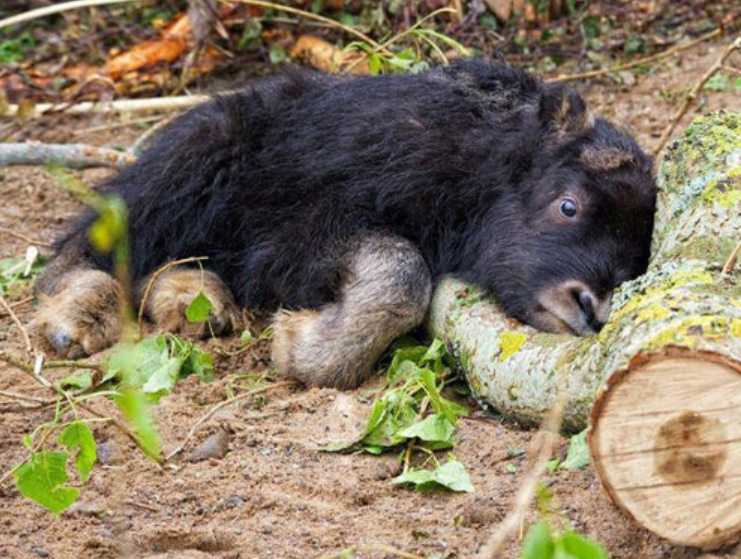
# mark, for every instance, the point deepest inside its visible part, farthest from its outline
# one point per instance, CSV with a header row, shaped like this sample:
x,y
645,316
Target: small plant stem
x,y
691,97
221,405
647,60
396,38
18,323
22,237
545,441
150,284
308,15
29,369
60,364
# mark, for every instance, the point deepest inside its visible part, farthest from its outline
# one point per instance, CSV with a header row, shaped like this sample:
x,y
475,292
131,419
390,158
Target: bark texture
x,y
683,301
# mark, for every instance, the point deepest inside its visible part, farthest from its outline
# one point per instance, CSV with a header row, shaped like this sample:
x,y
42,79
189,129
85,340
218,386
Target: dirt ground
x,y
274,494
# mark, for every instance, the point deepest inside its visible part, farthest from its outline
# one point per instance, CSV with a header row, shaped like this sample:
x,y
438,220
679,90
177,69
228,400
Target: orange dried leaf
x,y
325,56
170,46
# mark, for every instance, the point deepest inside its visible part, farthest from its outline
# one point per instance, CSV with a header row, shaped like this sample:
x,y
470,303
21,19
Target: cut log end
x,y
665,439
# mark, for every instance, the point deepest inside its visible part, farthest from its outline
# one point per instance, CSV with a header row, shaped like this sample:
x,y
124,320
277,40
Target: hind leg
x,y
384,294
79,307
173,292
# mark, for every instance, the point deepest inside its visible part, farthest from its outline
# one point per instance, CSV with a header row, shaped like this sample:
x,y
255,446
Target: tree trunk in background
x,y
663,428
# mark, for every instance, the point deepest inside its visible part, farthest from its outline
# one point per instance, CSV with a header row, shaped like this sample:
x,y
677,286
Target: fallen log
x,y
665,370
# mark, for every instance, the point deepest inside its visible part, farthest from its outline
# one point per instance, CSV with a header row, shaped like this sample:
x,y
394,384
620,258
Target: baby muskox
x,y
339,201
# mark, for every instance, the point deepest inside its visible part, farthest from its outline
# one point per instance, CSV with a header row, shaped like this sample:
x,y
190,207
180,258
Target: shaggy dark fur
x,y
478,166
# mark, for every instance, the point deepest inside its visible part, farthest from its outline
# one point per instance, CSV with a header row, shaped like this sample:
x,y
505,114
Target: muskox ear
x,y
563,111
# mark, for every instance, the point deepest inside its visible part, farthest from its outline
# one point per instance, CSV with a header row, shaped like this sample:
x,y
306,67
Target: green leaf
x,y
578,455
110,227
79,381
246,337
136,409
41,479
719,82
199,308
200,363
152,366
454,476
77,436
433,428
421,479
511,468
577,546
538,542
451,475
277,54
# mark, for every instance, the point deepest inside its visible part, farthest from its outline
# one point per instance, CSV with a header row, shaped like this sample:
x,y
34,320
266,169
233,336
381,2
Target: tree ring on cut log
x,y
665,439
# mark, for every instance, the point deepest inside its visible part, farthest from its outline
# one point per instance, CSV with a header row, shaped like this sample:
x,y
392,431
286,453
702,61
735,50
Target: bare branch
x,y
119,106
74,156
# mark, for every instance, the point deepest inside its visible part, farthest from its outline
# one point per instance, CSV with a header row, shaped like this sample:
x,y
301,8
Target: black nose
x,y
588,304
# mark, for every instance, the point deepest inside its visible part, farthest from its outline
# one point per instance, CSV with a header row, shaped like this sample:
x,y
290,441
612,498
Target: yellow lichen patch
x,y
735,327
655,311
690,331
510,343
723,192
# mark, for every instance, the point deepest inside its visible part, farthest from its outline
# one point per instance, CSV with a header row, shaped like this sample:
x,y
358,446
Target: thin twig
x,y
24,397
545,441
74,156
387,549
115,125
55,9
731,262
23,237
153,280
692,96
221,405
24,332
731,70
16,304
647,60
137,147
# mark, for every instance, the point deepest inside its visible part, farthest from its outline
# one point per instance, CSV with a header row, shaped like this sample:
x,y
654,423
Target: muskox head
x,y
576,221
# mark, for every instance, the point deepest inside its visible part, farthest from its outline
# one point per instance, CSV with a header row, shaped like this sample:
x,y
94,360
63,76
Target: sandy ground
x,y
274,494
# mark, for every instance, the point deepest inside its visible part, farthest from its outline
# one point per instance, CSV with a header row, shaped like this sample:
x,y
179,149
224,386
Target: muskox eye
x,y
568,208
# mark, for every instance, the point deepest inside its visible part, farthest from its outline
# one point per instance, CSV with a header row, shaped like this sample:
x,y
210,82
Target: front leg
x,y
384,294
173,292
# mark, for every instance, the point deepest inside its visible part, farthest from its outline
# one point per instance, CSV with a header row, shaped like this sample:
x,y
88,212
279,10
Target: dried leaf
x,y
325,56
